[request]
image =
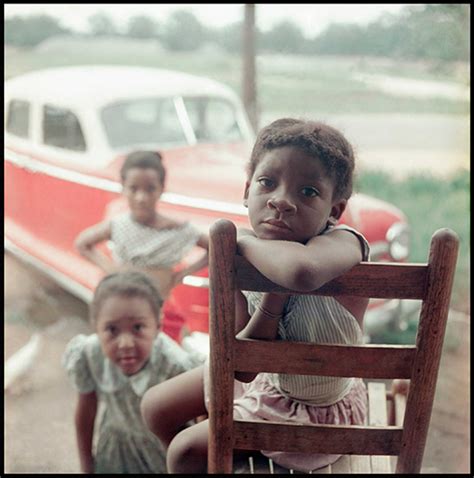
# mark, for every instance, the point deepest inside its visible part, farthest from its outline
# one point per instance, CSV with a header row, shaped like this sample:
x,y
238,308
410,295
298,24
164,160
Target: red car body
x,y
53,192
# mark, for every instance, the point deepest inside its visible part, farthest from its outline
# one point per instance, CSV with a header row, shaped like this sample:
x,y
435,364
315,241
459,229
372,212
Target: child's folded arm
x,y
302,267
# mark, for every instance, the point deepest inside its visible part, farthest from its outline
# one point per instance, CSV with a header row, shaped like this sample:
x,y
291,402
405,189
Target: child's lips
x,y
277,223
128,360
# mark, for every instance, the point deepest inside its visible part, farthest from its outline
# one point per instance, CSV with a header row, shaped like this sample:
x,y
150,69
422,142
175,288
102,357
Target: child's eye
x,y
310,192
112,329
266,182
138,327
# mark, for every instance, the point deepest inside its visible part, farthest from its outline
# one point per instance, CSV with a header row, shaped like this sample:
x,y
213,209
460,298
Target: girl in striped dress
x,y
299,182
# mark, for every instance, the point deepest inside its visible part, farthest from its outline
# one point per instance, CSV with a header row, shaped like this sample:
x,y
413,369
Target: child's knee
x,y
152,410
186,454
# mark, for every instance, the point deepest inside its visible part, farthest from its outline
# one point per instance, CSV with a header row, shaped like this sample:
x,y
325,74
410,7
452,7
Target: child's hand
x,y
177,278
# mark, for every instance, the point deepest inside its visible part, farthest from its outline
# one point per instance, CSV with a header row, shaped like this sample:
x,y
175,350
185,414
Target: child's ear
x,y
337,209
246,193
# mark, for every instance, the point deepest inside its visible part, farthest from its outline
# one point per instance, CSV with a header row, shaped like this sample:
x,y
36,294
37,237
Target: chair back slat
x,y
253,435
382,280
364,361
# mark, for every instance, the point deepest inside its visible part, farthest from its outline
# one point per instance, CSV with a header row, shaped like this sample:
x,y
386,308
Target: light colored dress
x,y
306,399
156,251
145,246
123,443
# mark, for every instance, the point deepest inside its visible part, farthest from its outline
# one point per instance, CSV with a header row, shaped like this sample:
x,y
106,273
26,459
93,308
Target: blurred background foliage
x,y
430,203
428,31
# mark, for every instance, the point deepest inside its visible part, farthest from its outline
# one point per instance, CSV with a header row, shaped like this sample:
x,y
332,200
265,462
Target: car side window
x,y
61,128
142,121
213,119
18,118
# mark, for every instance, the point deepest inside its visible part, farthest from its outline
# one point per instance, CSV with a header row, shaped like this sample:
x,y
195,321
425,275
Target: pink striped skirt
x,y
259,400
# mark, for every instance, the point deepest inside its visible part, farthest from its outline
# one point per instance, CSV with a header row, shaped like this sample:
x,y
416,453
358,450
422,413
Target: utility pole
x,y
249,90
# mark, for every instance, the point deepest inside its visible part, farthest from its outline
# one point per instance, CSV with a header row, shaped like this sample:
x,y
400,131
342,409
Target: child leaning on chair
x,y
299,180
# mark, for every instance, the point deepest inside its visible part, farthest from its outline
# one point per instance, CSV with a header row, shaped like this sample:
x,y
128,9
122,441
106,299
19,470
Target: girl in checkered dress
x,y
143,238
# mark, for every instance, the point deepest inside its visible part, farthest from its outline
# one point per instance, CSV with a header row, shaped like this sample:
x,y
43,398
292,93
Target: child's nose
x,y
141,196
281,204
125,341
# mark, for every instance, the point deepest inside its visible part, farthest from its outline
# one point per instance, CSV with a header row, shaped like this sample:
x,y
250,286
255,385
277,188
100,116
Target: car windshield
x,y
170,121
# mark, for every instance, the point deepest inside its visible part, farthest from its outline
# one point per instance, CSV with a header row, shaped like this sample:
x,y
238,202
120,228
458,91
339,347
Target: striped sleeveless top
x,y
317,319
143,246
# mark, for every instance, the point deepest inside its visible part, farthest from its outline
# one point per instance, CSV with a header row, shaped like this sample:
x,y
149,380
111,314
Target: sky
x,y
311,18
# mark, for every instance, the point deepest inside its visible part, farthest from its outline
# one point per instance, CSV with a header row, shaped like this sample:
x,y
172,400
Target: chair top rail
x,y
383,280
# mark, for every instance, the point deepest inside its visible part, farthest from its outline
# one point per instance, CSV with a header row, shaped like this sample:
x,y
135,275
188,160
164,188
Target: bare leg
x,y
187,452
168,406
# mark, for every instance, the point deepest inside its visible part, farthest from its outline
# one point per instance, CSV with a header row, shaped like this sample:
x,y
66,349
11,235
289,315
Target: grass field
x,y
300,85
430,203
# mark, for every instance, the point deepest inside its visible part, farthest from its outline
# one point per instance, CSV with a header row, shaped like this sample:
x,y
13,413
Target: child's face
x,y
126,328
290,196
142,187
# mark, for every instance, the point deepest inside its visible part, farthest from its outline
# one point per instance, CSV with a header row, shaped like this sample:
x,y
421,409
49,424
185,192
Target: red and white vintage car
x,y
67,131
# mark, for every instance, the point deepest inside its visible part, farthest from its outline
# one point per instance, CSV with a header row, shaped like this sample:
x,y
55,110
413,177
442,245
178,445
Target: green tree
x,y
433,31
141,26
183,32
101,24
284,37
436,32
230,37
340,39
31,30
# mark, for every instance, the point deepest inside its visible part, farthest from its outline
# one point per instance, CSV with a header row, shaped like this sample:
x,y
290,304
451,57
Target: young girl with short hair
x,y
114,367
299,181
143,238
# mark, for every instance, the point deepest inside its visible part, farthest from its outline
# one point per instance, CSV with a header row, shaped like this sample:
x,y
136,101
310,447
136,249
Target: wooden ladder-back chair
x,y
431,283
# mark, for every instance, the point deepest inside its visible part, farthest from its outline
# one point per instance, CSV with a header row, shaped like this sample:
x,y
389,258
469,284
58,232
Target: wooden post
x,y
429,343
222,312
249,92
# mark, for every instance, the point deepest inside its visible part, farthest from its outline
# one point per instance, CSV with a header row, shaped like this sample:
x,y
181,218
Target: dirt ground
x,y
39,430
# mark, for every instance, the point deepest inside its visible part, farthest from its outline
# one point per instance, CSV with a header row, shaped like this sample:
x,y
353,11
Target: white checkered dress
x,y
145,246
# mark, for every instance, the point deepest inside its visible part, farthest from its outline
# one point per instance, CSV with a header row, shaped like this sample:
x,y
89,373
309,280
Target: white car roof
x,y
96,85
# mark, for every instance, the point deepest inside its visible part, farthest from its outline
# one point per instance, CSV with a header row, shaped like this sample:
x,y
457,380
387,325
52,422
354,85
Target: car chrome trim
x,y
63,280
203,203
184,120
196,281
395,237
72,286
378,248
36,166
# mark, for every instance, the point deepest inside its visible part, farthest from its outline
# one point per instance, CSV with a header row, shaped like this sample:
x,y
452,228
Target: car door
x,y
51,194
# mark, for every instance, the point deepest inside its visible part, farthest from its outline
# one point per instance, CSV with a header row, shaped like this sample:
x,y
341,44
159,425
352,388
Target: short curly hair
x,y
126,284
316,139
144,160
